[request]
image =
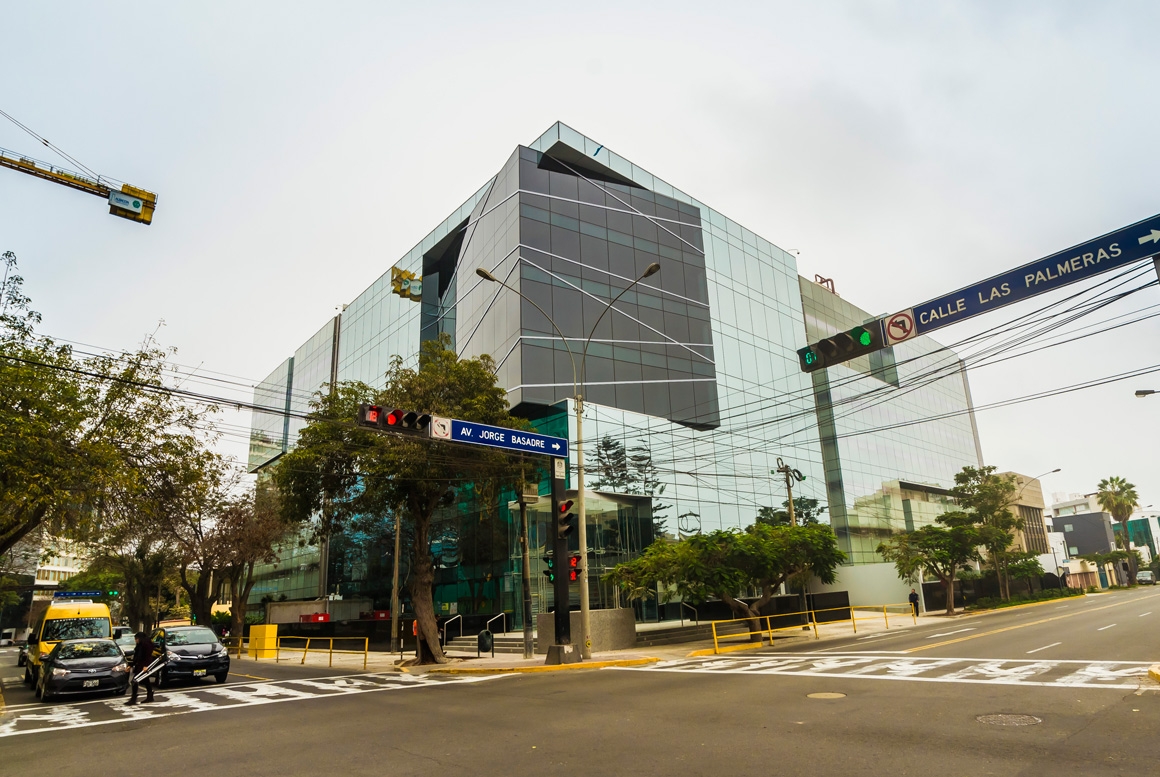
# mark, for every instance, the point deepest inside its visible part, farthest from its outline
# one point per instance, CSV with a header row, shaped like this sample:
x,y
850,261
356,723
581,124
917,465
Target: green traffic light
x,y
811,357
865,338
114,593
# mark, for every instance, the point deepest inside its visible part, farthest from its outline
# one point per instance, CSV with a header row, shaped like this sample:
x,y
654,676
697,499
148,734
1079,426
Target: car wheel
x,y
221,677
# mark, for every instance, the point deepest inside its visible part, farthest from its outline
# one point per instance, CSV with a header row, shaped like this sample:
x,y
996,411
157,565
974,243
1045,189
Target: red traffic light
x,y
395,417
573,575
566,506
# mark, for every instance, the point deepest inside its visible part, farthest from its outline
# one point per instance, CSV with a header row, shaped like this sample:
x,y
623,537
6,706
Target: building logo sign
x,y
406,284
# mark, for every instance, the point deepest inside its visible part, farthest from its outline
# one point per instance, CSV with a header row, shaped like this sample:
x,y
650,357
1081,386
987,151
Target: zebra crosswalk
x,y
1120,675
40,718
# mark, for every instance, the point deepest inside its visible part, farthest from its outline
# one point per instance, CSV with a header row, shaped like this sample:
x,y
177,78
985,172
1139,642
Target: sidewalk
x,y
465,662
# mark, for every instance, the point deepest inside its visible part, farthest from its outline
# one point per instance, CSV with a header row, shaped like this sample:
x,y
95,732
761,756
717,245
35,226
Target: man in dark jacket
x,y
143,655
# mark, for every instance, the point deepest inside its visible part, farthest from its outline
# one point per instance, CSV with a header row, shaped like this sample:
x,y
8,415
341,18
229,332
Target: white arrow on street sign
x,y
1154,237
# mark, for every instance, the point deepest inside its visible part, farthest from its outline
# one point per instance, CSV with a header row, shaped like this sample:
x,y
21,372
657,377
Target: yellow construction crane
x,y
124,200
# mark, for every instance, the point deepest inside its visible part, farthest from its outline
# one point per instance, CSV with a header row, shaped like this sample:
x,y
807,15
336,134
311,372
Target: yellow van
x,y
65,618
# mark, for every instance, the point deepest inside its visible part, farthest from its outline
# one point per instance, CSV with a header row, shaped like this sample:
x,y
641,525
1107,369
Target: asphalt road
x,y
911,704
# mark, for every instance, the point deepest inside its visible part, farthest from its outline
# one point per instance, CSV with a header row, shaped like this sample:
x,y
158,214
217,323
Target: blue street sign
x,y
1114,249
509,439
76,594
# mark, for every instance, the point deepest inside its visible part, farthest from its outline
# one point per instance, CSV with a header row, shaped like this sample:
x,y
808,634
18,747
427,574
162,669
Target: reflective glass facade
x,y
691,381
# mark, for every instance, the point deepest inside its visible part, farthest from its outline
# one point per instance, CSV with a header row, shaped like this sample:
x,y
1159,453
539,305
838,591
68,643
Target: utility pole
x,y
792,475
395,647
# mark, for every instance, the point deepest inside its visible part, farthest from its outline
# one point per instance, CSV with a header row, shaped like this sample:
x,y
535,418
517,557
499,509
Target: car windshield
x,y
75,628
88,650
190,637
126,639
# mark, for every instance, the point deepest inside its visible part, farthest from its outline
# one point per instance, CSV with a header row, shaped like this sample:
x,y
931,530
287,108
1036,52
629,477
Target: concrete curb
x,y
544,668
728,649
1153,672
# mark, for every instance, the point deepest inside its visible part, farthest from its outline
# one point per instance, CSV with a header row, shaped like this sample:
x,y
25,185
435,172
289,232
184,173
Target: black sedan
x,y
193,652
83,666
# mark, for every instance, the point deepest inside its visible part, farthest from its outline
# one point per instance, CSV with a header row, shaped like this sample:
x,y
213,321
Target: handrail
x,y
501,615
696,615
447,623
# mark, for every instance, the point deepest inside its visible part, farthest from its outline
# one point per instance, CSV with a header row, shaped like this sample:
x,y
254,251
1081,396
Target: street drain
x,y
1004,719
825,695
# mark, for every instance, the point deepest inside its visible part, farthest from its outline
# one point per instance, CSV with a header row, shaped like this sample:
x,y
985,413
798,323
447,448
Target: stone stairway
x,y
508,644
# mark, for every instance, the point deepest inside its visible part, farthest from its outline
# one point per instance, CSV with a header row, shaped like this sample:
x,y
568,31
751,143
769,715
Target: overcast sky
x,y
905,149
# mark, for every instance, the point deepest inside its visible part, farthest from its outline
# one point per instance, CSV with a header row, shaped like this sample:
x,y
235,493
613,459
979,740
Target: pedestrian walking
x,y
142,658
914,602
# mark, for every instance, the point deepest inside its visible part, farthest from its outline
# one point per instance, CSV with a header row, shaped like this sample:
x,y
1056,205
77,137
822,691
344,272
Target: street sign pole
x,y
561,651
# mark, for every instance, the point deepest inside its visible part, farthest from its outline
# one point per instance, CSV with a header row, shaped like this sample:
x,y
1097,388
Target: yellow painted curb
x,y
544,668
1,698
728,649
1154,672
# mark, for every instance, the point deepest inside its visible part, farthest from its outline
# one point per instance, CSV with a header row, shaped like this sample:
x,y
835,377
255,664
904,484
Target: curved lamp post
x,y
577,385
1141,393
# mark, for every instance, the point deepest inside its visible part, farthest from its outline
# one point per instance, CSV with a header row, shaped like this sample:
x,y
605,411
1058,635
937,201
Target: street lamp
x,y
578,398
1032,480
1141,393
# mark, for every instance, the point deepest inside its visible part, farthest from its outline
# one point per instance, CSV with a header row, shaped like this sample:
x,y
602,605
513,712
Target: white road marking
x,y
1045,647
1106,627
948,633
37,718
1141,615
1069,673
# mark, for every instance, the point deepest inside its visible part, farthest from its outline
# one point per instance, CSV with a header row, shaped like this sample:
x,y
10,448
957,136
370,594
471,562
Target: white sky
x,y
906,149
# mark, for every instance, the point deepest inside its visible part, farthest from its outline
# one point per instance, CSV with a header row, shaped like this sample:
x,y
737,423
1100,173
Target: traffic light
x,y
407,422
551,570
113,593
574,568
565,520
843,346
394,419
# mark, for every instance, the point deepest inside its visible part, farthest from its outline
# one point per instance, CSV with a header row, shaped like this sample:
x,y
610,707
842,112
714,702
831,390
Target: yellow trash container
x,y
264,641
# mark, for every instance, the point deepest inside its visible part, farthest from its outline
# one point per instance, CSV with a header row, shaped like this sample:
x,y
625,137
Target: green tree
x,y
940,551
1025,566
339,470
723,564
988,497
806,511
1119,498
250,527
81,439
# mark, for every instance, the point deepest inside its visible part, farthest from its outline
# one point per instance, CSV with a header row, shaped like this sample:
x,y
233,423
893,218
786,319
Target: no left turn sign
x,y
900,327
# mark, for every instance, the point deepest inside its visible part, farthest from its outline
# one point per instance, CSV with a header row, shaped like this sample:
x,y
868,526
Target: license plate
x,y
199,673
91,683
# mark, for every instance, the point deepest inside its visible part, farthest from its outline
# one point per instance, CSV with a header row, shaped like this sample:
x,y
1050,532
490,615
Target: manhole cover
x,y
825,695
1005,719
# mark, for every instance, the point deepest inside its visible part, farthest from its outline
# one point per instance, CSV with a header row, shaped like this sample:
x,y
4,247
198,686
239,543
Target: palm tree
x,y
1118,497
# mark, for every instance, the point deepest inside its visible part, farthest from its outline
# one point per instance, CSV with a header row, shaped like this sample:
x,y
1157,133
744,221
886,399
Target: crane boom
x,y
124,200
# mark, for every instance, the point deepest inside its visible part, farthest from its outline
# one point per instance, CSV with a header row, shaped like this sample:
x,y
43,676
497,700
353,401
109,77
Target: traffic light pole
x,y
562,651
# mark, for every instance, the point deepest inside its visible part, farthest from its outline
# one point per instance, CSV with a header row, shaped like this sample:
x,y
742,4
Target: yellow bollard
x,y
264,641
716,649
884,616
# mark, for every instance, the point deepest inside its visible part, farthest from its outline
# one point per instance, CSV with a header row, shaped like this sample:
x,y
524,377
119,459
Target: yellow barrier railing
x,y
234,645
810,620
329,649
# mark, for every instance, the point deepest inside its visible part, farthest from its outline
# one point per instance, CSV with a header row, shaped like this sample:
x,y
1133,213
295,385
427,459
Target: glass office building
x,y
691,382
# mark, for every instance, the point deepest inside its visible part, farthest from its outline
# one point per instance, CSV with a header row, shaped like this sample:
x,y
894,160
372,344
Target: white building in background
x,y
49,560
